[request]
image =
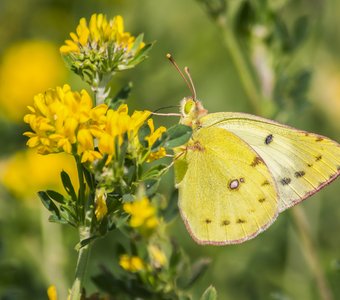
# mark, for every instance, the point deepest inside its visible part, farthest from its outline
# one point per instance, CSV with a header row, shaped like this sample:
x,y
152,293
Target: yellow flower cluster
x,y
98,34
66,121
131,263
143,213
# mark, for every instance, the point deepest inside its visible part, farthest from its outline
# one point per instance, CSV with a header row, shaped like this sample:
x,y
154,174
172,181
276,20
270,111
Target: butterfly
x,y
239,171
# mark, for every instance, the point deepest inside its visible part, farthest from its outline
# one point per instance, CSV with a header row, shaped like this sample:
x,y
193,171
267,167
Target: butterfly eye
x,y
188,106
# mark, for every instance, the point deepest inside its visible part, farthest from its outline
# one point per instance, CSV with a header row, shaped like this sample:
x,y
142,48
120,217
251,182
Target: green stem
x,y
310,252
83,255
102,91
241,64
81,194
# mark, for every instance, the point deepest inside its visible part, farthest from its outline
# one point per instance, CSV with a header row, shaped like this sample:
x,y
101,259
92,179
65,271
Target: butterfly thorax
x,y
192,111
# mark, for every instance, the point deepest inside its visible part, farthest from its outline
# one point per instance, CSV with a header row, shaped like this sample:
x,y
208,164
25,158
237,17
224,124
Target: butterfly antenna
x,y
156,112
186,70
189,83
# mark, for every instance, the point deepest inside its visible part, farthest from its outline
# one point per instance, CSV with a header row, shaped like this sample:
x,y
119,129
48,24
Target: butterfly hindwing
x,y
226,194
301,162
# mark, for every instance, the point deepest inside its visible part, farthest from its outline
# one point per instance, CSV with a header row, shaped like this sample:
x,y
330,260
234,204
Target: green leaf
x,y
137,42
56,196
48,203
154,172
128,198
151,186
197,271
65,178
300,30
85,242
177,135
122,95
143,132
209,294
59,220
89,179
171,211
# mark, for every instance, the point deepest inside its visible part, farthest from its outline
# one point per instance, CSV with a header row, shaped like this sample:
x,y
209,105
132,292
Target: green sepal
x,y
66,180
209,294
140,56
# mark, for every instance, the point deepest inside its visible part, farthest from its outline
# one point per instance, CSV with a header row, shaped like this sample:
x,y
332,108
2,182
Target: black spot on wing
x,y
240,221
285,181
207,221
225,223
319,139
256,161
261,200
299,174
264,183
319,157
268,139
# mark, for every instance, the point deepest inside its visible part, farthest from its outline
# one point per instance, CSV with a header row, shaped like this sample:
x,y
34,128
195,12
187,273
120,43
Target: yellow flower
x,y
55,119
101,46
131,263
152,138
27,68
52,293
27,172
118,123
97,34
143,213
157,256
101,208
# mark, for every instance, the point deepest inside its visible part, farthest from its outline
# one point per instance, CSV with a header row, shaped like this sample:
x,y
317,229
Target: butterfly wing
x,y
302,163
226,194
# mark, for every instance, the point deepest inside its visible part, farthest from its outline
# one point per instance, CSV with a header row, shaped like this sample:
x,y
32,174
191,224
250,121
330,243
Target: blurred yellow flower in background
x,y
52,293
131,263
26,69
143,213
157,256
27,172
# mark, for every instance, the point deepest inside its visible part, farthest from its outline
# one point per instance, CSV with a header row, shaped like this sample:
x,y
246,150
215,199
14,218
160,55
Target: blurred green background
x,y
35,253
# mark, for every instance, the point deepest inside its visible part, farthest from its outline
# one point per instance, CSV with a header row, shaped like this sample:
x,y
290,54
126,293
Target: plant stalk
x,y
310,253
241,64
83,255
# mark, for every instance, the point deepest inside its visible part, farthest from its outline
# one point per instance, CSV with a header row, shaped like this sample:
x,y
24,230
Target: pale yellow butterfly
x,y
239,171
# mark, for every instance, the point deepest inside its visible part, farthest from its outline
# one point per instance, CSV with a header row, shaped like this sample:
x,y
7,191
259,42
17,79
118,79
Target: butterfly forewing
x,y
227,194
301,162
